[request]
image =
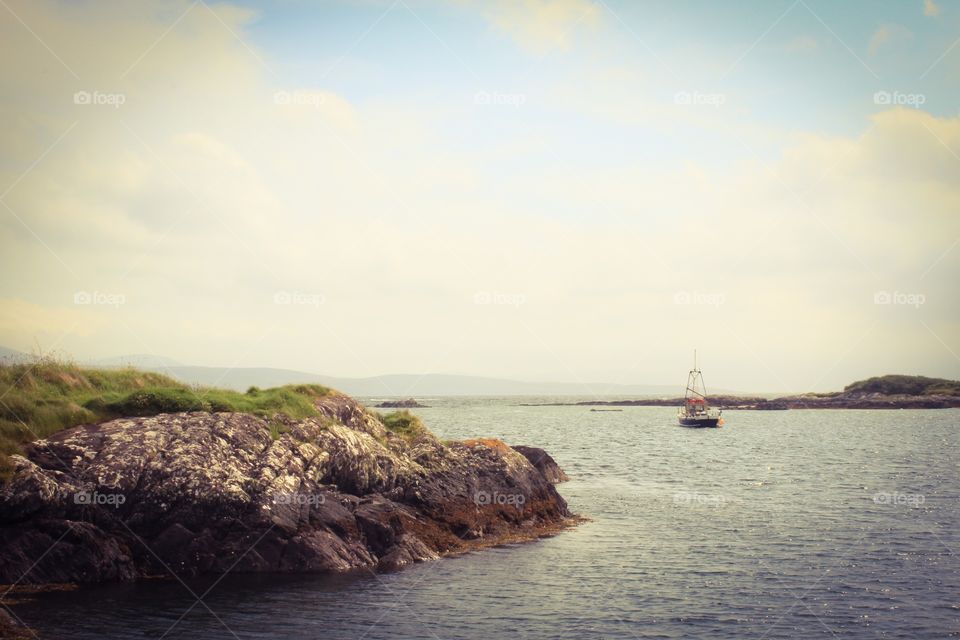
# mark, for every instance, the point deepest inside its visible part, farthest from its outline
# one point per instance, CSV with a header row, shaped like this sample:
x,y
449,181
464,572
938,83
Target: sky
x,y
560,190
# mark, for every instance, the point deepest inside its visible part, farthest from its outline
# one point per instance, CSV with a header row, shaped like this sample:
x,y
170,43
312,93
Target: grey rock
x,y
193,493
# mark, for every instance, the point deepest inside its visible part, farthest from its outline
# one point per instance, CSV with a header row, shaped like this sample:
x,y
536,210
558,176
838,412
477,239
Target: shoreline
x,y
733,403
18,594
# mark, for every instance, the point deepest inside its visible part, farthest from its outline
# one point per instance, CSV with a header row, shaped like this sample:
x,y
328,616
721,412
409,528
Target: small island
x,y
409,403
880,392
121,475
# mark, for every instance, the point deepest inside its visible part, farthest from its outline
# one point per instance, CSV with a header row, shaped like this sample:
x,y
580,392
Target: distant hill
x,y
137,360
394,385
241,378
891,385
12,356
432,384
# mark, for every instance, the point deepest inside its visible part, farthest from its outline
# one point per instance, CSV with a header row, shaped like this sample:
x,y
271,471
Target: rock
x,y
194,493
11,629
409,403
543,463
806,401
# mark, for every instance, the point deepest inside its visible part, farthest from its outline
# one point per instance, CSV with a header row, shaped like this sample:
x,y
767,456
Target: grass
x,y
277,429
490,443
40,398
404,424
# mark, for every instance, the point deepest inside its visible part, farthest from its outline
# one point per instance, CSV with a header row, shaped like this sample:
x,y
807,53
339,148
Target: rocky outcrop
x,y
192,493
409,403
868,401
11,629
543,463
805,401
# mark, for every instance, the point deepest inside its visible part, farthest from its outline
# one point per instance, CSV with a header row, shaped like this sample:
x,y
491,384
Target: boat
x,y
696,411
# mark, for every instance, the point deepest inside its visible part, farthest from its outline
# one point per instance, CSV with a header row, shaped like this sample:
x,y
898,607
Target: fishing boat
x,y
696,411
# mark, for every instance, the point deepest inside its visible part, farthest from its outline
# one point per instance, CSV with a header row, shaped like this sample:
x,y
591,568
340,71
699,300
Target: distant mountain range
x,y
394,385
11,356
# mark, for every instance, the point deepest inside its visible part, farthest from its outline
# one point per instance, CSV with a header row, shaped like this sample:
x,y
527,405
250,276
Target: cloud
x,y
888,35
931,8
205,194
539,26
23,322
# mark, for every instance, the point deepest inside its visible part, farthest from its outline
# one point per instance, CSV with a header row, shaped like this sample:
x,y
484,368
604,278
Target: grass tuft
x,y
404,424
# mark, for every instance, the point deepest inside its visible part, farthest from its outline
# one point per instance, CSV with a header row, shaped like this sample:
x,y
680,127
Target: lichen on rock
x,y
198,492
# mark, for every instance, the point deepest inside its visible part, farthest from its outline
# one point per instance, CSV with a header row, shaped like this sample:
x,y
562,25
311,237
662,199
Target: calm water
x,y
795,524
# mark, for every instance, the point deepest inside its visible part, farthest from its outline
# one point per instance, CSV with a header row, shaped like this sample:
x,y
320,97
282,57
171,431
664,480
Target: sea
x,y
779,524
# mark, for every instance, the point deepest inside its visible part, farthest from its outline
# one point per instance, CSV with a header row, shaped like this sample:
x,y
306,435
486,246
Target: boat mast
x,y
692,380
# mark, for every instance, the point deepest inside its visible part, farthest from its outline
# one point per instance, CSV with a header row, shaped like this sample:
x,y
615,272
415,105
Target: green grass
x,y
404,424
277,429
40,398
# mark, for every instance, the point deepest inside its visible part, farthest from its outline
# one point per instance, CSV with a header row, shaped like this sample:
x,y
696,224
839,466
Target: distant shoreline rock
x,y
409,403
880,392
205,493
810,401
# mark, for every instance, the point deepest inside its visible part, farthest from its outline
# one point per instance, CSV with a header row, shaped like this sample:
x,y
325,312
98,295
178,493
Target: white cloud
x,y
202,196
888,35
540,26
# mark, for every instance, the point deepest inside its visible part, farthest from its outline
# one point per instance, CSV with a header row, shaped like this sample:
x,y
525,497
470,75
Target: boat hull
x,y
699,422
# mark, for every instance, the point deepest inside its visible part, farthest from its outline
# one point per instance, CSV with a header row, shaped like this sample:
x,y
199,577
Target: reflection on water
x,y
779,525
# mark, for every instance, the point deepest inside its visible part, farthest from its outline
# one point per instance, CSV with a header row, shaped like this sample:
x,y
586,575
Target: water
x,y
792,524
